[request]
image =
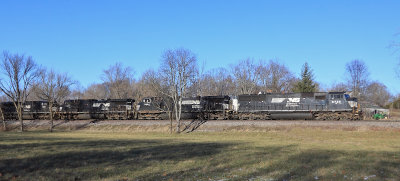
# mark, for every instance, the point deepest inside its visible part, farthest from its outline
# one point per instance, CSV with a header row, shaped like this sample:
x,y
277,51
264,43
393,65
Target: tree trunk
x,y
178,114
4,120
21,121
178,121
170,119
178,126
51,116
19,112
4,125
51,125
51,121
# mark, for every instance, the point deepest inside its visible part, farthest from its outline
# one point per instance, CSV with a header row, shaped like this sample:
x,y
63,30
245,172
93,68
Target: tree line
x,y
178,76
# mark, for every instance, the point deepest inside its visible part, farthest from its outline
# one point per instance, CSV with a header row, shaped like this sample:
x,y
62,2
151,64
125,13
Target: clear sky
x,y
84,37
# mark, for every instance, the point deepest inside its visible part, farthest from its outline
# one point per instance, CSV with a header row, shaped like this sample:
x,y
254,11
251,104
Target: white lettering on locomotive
x,y
336,102
277,100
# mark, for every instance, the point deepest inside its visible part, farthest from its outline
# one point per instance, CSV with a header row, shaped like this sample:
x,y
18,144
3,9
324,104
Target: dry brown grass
x,y
112,126
395,114
281,153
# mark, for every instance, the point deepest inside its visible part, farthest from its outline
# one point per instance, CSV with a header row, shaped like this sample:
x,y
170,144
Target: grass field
x,y
295,154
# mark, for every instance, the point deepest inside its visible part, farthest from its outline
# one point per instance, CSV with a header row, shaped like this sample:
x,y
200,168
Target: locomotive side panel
x,y
216,107
295,106
36,110
119,109
152,108
191,108
77,109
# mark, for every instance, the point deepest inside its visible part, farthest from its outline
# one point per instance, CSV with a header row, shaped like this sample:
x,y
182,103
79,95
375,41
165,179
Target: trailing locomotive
x,y
73,109
218,107
31,110
157,108
77,109
97,109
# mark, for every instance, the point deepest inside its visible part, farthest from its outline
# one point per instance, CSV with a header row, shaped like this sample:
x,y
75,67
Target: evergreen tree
x,y
306,84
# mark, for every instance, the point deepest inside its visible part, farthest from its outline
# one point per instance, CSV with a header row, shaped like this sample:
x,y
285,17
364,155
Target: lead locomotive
x,y
320,106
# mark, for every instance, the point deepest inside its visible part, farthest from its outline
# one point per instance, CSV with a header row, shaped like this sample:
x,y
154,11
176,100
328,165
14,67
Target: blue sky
x,y
84,37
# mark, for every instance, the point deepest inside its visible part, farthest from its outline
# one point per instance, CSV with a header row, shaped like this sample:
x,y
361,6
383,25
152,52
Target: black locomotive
x,y
270,106
319,106
73,109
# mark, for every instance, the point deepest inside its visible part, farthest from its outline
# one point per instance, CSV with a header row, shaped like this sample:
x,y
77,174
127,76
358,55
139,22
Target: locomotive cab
x,y
340,107
338,102
147,101
353,102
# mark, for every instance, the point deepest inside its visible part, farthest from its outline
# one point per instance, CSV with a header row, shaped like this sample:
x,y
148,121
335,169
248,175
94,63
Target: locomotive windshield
x,y
337,96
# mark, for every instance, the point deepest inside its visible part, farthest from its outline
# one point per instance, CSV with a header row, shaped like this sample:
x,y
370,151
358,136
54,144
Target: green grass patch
x,y
296,154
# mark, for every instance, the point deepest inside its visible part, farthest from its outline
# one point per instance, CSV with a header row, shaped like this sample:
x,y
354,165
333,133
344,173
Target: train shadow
x,y
92,160
107,158
52,158
304,165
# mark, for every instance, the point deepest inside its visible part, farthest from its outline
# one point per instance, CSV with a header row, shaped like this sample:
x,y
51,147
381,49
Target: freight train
x,y
269,106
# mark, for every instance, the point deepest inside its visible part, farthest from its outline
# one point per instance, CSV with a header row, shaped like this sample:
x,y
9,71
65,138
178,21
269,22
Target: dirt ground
x,y
211,125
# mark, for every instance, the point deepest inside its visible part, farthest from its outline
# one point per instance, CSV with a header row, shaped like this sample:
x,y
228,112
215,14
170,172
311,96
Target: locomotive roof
x,y
119,100
215,97
334,92
81,100
191,98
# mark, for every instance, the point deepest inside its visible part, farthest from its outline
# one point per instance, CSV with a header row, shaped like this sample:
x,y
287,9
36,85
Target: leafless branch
x,y
19,73
52,87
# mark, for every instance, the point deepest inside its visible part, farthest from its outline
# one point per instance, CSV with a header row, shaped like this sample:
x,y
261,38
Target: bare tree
x,y
358,76
224,82
148,85
275,77
214,82
19,73
53,88
77,91
151,85
378,93
206,85
245,76
177,72
118,80
96,91
197,87
3,98
338,87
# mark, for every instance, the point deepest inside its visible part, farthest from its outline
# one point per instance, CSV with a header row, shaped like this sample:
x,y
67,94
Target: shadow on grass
x,y
288,164
100,159
31,125
331,165
152,159
13,127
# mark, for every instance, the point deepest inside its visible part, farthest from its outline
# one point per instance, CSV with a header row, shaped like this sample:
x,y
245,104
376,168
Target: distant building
x,y
369,109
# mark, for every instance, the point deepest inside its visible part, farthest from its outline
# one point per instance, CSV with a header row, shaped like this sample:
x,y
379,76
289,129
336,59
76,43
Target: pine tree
x,y
306,84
